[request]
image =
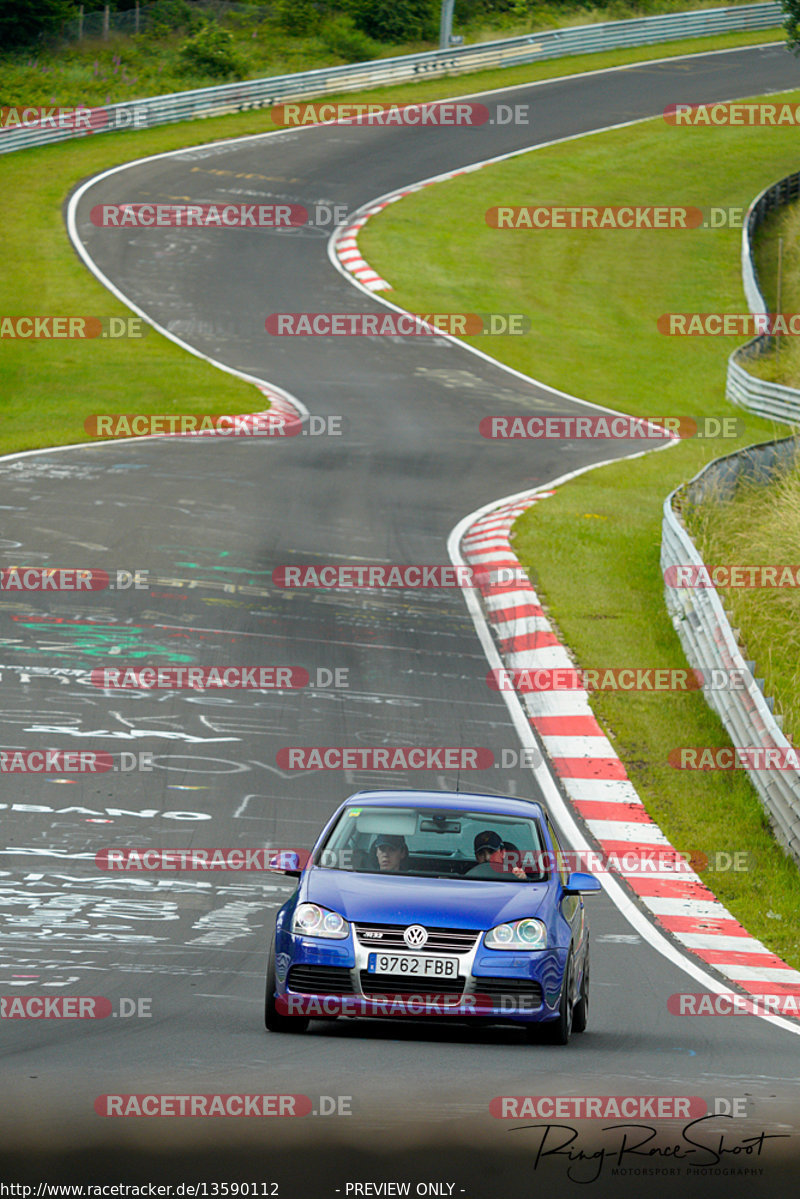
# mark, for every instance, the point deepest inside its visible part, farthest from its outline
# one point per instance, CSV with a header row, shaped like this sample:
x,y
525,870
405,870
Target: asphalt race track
x,y
209,521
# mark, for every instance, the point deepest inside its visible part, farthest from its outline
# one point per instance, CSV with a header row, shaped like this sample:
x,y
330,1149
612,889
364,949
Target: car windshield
x,y
427,843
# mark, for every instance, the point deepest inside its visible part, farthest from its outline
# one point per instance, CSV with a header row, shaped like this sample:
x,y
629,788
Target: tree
x,y
25,22
792,24
397,20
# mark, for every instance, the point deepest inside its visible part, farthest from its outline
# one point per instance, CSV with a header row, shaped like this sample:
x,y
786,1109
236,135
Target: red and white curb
x,y
344,244
595,780
288,410
346,249
285,416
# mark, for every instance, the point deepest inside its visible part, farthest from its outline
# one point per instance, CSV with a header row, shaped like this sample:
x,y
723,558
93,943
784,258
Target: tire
x,y
557,1032
275,1021
580,1013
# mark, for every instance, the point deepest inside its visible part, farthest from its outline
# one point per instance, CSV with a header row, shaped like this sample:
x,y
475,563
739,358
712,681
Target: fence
x,y
144,17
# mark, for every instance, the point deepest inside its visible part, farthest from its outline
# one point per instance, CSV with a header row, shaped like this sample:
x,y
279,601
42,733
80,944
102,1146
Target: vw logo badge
x,y
415,936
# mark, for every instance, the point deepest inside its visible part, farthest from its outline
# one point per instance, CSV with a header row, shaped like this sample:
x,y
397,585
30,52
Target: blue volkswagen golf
x,y
434,904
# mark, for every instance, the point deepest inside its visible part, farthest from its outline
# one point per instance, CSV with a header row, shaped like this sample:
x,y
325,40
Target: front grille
x,y
321,980
403,984
440,940
516,988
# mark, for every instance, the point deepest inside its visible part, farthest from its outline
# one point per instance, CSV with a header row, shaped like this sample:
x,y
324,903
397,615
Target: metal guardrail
x,y
711,644
555,43
774,401
697,614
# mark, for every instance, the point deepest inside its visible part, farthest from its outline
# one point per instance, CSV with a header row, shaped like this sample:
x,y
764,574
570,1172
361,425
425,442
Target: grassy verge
x,y
49,388
762,524
757,525
593,549
128,67
781,226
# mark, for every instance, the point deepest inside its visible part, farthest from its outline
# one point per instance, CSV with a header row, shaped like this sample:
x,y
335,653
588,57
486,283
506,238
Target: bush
x,y
210,51
167,16
342,38
27,22
477,10
299,17
397,20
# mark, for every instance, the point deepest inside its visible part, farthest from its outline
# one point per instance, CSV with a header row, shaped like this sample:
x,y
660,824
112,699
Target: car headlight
x,y
518,934
310,920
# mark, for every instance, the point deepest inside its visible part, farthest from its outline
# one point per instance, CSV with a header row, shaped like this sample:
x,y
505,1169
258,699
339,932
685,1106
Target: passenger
x,y
489,851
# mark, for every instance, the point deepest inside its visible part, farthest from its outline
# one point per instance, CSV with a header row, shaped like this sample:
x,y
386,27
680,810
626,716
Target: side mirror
x,y
579,881
288,861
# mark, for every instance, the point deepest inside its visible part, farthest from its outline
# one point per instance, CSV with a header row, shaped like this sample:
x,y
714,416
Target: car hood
x,y
442,903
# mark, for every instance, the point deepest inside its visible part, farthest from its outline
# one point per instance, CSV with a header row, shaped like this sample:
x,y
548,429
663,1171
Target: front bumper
x,y
323,979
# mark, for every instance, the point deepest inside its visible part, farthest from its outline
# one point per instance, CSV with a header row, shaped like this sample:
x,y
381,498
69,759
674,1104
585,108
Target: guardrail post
x,y
446,24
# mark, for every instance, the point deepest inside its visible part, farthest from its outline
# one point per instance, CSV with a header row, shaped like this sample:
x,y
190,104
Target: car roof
x,y
499,805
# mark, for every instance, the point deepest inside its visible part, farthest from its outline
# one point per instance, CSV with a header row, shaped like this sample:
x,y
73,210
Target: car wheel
x,y
557,1032
275,1021
580,1014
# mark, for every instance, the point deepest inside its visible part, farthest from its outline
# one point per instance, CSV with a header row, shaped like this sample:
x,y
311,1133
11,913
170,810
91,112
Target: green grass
x,y
761,525
129,67
593,549
594,302
49,388
781,226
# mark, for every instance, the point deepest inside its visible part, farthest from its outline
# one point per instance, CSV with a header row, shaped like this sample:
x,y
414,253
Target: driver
x,y
392,852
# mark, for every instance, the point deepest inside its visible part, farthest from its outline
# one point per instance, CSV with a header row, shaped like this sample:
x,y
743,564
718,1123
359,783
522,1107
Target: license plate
x,y
415,966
